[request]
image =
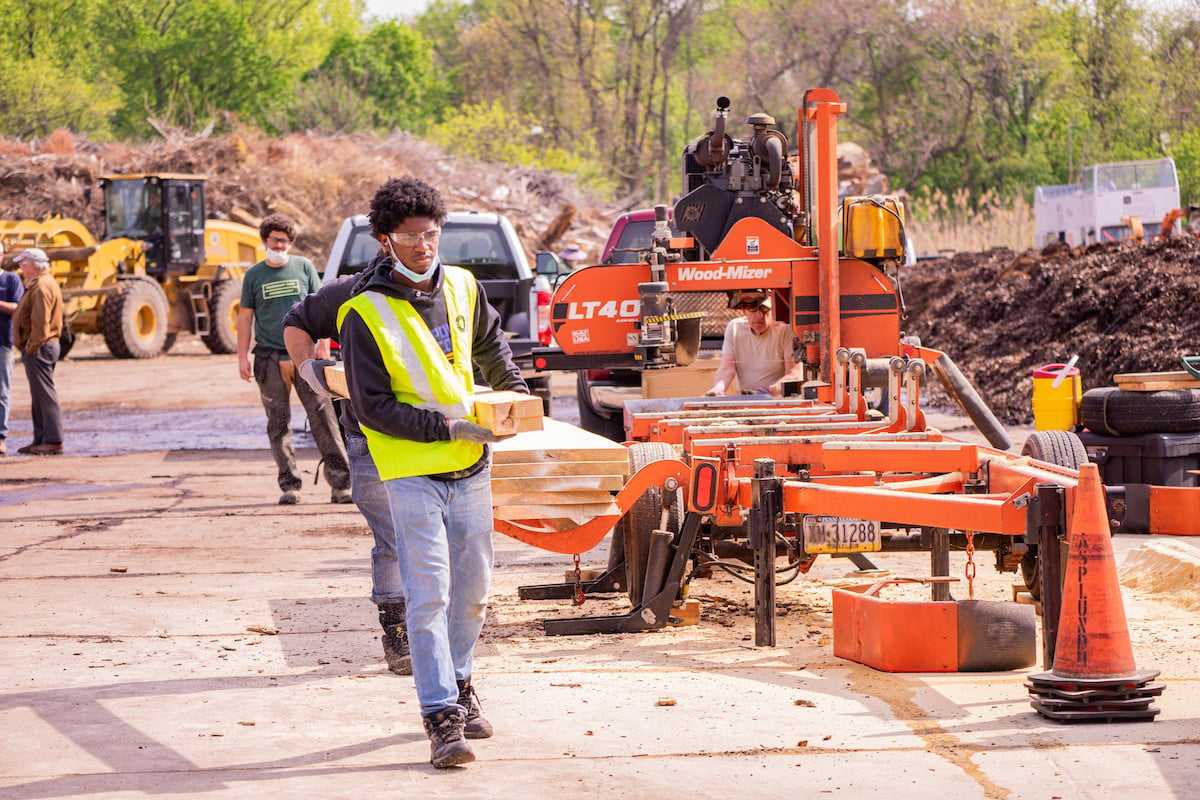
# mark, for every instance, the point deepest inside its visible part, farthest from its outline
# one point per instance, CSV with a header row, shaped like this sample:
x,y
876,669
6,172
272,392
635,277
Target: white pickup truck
x,y
487,245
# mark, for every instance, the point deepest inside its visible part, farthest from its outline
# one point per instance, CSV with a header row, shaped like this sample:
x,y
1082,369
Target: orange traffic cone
x,y
1094,676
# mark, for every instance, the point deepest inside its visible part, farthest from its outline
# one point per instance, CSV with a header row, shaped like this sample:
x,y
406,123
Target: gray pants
x,y
275,378
39,371
6,368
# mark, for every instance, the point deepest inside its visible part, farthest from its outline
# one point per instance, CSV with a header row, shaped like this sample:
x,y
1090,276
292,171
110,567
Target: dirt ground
x,y
168,630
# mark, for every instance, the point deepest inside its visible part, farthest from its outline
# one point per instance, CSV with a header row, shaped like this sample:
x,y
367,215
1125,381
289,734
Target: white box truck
x,y
1101,205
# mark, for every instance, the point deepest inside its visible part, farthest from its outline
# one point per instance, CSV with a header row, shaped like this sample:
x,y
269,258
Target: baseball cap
x,y
35,254
745,298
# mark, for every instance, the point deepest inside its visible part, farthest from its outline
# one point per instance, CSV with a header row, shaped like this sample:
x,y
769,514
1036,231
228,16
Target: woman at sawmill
x,y
410,337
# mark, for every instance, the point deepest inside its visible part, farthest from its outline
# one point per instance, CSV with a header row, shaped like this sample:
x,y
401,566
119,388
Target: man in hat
x,y
36,327
10,294
573,256
758,350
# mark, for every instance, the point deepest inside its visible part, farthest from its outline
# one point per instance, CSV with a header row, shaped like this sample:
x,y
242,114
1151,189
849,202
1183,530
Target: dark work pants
x,y
275,378
39,371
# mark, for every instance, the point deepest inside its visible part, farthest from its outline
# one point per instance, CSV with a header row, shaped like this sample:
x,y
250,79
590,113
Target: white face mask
x,y
277,258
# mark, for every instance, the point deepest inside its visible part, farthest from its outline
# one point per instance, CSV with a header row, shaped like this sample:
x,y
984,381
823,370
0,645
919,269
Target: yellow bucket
x,y
1056,409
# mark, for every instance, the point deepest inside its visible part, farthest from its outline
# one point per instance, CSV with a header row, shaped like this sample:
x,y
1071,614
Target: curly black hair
x,y
277,222
401,198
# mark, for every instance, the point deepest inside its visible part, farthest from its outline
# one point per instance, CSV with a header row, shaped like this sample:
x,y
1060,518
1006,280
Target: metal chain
x,y
578,598
970,568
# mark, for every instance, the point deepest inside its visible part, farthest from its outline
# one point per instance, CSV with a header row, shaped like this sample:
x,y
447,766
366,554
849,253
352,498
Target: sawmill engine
x,y
726,179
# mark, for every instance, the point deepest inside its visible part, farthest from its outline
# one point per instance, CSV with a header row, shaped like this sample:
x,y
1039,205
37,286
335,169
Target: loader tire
x,y
1113,412
223,306
134,319
1063,449
169,342
646,515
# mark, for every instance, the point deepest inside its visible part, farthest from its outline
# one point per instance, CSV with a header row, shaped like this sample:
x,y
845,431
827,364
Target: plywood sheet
x,y
580,513
549,498
559,442
690,381
551,469
562,483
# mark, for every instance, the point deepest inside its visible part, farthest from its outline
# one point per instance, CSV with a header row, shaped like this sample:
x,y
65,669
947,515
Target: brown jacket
x,y
39,316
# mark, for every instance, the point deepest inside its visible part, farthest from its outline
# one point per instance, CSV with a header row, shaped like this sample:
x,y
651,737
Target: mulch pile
x,y
1123,307
318,180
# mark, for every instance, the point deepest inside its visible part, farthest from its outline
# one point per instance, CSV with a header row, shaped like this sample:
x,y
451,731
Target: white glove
x,y
313,373
463,430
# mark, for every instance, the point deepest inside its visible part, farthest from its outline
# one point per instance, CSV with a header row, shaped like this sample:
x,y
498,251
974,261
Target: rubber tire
x,y
169,342
66,340
223,306
634,528
1063,449
1130,413
118,318
609,427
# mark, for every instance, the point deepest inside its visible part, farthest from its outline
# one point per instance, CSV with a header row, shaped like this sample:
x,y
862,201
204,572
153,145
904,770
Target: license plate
x,y
840,535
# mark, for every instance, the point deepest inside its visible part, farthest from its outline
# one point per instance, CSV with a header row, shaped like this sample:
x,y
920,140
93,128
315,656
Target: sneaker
x,y
475,726
395,638
447,747
289,498
3,449
340,496
46,450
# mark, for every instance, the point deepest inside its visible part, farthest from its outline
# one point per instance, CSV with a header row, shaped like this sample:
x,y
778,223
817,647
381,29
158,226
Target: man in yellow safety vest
x,y
411,337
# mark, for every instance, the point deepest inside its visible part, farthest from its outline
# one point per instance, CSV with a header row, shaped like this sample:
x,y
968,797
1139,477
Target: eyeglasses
x,y
413,239
752,307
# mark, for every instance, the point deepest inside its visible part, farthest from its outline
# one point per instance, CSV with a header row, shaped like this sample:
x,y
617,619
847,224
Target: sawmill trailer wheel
x,y
1064,449
646,516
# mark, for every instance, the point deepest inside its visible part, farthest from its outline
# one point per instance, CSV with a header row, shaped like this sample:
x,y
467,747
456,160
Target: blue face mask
x,y
415,277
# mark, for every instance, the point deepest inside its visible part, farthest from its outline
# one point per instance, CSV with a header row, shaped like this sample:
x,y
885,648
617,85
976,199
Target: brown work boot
x,y
289,498
46,450
3,448
475,727
24,451
447,747
395,638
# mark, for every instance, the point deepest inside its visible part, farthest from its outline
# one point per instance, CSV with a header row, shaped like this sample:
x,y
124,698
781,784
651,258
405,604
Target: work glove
x,y
313,373
463,430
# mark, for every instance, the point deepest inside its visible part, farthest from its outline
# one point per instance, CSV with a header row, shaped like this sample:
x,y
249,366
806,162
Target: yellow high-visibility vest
x,y
422,375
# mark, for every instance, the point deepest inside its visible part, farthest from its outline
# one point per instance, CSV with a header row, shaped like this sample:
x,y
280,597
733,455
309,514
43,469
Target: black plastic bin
x,y
1160,459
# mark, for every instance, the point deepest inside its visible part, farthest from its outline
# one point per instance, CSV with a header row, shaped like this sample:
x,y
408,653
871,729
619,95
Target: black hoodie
x,y
371,397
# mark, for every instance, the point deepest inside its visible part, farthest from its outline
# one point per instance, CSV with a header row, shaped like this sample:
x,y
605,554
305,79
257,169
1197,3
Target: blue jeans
x,y
6,368
372,501
444,541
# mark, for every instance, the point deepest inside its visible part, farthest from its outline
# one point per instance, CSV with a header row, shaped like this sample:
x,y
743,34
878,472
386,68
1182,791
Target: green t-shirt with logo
x,y
271,292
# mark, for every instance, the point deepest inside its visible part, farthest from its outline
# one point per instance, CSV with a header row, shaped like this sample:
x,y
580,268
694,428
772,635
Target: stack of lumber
x,y
560,473
1155,381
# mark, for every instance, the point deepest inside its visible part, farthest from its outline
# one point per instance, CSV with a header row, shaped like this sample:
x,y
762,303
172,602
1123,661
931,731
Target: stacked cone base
x,y
1121,699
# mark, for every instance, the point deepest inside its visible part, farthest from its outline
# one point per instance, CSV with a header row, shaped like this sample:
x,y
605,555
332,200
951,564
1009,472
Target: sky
x,y
395,8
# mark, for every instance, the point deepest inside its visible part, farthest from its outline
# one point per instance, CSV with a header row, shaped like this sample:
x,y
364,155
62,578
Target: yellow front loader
x,y
161,268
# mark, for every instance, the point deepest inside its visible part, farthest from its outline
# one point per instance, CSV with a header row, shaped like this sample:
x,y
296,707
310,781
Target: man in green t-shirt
x,y
269,290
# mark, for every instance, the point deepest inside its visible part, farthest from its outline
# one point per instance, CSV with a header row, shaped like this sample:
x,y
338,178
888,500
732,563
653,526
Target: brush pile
x,y
1123,307
318,180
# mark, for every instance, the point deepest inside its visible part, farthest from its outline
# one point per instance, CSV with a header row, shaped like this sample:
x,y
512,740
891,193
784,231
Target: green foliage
x,y
1187,162
493,133
184,61
389,72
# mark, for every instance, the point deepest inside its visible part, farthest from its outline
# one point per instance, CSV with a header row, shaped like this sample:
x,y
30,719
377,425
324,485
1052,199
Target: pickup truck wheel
x,y
610,427
1063,449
